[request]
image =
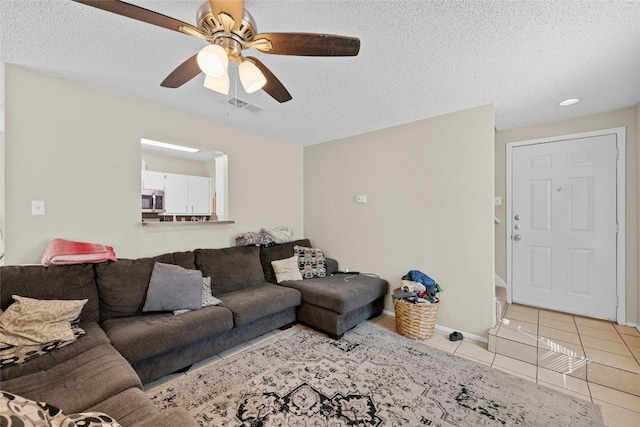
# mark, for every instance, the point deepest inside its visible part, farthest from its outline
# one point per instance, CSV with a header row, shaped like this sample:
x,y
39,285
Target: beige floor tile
x,y
522,309
525,317
605,345
614,416
518,336
562,381
569,365
515,367
610,335
563,347
531,328
594,323
441,340
626,330
475,350
631,340
516,350
557,334
615,397
385,321
618,379
555,315
636,352
614,360
557,324
262,339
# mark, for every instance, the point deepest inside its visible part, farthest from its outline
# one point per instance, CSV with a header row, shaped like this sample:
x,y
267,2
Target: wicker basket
x,y
415,321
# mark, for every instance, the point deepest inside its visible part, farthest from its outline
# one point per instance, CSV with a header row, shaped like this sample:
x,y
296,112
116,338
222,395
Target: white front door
x,y
563,225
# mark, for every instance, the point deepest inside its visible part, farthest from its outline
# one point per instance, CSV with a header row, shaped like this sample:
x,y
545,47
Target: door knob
x,y
517,237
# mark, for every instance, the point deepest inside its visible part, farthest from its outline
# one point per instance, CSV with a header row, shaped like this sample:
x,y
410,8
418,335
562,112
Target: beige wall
x,y
2,180
627,118
429,188
78,149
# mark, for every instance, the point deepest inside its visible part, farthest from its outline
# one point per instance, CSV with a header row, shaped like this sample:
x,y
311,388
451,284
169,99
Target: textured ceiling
x,y
418,59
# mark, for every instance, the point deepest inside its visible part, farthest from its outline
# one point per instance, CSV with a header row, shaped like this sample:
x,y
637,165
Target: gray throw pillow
x,y
172,288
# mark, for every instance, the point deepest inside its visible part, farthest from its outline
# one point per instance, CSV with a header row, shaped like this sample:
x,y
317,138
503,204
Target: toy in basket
x,y
416,305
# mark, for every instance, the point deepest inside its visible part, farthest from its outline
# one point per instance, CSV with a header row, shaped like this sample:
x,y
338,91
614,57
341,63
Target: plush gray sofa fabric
x,y
334,323
73,282
128,407
78,383
95,336
253,303
123,285
141,337
336,294
230,269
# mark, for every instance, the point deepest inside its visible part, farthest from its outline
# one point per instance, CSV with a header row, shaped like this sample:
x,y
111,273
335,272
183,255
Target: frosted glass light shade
x,y
220,84
213,60
251,77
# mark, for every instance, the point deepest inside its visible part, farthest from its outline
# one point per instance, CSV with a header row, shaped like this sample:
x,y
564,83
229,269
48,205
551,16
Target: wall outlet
x,y
37,207
361,199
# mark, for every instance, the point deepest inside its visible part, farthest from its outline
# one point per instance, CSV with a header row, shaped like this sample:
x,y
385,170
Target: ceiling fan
x,y
230,29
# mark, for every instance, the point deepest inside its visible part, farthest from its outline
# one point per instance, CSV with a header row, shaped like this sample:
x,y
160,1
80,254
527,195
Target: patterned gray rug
x,y
371,377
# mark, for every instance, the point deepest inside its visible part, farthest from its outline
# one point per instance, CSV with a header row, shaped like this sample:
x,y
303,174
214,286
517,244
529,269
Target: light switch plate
x,y
361,199
37,207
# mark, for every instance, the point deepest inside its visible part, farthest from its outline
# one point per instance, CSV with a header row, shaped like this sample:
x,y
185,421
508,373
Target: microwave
x,y
152,201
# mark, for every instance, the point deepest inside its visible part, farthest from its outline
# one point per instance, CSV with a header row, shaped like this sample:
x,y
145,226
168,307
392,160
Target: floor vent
x,y
245,105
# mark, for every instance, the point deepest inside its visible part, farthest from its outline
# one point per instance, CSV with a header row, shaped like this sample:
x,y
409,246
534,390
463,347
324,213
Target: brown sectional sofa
x,y
125,347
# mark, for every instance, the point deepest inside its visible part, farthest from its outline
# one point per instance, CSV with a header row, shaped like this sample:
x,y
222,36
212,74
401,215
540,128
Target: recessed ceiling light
x,y
567,102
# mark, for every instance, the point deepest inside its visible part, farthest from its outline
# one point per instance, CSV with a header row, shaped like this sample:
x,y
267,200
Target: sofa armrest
x,y
332,266
170,417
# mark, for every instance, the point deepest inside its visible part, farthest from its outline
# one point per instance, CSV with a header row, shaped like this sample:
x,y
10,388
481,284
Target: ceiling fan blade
x,y
273,86
185,72
308,44
233,8
138,13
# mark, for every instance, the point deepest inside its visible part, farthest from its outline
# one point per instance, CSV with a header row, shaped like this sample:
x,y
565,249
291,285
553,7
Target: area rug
x,y
371,377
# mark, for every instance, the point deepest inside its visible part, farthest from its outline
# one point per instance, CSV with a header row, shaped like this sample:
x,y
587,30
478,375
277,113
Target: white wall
x,y
429,187
78,149
622,118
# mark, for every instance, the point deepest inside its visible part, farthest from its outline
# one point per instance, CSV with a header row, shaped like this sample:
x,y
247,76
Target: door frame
x,y
620,133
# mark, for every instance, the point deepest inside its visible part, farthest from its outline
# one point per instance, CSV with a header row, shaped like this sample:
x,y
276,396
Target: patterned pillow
x,y
311,262
207,298
18,411
12,355
31,321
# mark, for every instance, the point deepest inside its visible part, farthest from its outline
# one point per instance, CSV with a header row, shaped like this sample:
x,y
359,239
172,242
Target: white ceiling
x,y
418,59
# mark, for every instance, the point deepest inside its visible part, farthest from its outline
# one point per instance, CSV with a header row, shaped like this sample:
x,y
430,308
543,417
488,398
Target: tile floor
x,y
591,359
594,360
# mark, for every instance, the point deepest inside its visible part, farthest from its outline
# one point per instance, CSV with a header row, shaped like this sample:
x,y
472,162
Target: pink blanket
x,y
61,252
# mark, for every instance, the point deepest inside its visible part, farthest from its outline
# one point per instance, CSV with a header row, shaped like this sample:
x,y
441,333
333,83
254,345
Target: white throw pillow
x,y
287,269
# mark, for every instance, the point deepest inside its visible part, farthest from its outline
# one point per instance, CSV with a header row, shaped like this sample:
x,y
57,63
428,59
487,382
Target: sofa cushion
x,y
172,287
64,282
94,336
123,284
336,294
261,300
30,321
230,269
141,337
80,382
127,407
275,253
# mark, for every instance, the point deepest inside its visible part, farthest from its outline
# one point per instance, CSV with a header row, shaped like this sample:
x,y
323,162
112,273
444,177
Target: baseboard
x,y
446,329
499,282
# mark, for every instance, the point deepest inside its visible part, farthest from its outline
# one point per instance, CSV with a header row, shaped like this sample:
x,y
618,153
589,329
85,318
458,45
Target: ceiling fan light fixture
x,y
213,60
220,84
251,77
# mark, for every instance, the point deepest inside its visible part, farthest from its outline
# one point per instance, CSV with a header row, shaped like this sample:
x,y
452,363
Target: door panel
x,y
564,205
